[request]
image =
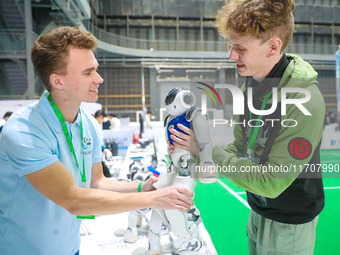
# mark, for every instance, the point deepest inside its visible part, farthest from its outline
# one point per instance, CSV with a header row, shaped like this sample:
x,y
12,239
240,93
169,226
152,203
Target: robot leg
x,y
166,179
131,233
184,225
158,217
155,226
184,235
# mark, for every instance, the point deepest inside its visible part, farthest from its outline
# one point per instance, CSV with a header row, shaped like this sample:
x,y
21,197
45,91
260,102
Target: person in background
x,y
333,117
284,193
50,156
148,120
328,118
115,122
5,118
99,116
141,125
107,121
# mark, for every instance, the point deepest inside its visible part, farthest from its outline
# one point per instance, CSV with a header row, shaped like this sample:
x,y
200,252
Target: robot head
x,y
178,101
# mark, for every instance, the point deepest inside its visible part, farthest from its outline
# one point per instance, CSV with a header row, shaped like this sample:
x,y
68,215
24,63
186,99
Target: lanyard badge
x,y
68,137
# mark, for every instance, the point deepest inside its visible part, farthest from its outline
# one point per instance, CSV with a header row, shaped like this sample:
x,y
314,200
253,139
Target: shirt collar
x,y
49,114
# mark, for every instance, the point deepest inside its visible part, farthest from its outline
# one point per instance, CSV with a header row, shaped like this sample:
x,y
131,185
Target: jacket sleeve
x,y
236,147
285,156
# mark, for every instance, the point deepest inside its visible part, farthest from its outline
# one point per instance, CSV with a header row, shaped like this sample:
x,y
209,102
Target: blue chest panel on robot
x,y
173,124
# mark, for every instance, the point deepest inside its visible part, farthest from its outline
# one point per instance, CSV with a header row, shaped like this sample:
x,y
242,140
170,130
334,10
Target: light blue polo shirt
x,y
33,139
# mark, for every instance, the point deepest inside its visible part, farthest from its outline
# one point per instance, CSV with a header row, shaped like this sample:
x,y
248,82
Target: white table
x,y
105,234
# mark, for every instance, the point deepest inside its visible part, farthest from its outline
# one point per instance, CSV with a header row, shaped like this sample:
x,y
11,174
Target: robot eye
x,y
169,99
171,126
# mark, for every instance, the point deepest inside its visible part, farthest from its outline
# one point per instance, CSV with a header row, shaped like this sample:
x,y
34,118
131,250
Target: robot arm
x,y
207,170
166,179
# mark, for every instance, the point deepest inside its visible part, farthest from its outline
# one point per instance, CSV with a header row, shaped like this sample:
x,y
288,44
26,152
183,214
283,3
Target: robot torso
x,y
172,123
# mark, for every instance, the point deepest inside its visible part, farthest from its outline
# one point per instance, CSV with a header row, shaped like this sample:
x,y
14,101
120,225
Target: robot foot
x,y
131,235
154,244
158,252
193,246
193,214
200,252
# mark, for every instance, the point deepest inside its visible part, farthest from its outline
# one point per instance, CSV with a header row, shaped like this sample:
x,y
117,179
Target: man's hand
x,y
173,198
184,141
148,185
57,184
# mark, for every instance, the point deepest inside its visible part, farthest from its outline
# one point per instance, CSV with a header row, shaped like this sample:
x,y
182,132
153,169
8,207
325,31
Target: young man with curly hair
x,y
285,204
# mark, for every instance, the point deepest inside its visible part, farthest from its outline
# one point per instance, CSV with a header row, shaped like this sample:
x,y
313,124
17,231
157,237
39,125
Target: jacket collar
x,y
271,80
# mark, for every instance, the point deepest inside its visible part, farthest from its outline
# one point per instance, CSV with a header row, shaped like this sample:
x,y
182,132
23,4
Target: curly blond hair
x,y
50,52
260,19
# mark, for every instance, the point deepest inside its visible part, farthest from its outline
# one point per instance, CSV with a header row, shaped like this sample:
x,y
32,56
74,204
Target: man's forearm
x,y
95,201
116,186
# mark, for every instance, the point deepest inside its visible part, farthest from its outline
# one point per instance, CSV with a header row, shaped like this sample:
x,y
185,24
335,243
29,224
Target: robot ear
x,y
189,99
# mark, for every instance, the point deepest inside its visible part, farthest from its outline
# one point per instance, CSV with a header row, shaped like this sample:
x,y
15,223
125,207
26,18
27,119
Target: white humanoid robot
x,y
182,171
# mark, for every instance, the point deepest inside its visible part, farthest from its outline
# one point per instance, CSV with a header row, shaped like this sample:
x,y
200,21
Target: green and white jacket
x,y
281,187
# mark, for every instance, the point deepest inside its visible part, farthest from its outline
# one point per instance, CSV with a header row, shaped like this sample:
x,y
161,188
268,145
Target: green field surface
x,y
225,213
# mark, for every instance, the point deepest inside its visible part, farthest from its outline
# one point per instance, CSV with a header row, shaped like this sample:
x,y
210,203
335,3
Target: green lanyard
x,y
253,136
68,137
